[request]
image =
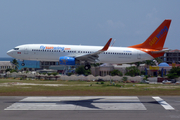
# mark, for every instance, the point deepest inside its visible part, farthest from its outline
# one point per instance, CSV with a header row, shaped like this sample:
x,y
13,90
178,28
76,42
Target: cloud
x,y
113,24
138,32
111,28
152,14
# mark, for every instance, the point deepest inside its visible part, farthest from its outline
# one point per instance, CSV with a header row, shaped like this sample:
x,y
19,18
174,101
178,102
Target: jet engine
x,y
67,60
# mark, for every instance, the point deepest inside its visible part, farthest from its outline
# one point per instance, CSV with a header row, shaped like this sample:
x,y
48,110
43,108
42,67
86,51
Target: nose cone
x,y
10,52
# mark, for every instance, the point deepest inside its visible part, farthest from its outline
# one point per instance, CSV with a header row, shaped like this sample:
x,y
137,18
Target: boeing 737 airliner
x,y
75,54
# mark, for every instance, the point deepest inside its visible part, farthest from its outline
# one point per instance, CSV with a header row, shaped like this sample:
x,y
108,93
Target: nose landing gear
x,y
23,64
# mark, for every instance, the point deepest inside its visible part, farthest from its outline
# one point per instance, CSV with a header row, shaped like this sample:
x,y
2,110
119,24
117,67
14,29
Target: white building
x,y
105,68
4,65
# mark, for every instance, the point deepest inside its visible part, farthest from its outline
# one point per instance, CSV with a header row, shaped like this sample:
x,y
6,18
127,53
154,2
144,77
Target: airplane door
x,y
138,55
26,50
26,53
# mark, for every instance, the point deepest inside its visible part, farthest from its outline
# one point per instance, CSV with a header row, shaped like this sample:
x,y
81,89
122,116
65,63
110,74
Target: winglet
x,y
105,48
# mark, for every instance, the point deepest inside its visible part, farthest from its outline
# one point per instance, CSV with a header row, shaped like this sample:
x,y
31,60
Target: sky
x,y
85,22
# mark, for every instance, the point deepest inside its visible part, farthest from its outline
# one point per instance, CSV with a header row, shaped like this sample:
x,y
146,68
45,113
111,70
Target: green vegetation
x,y
124,79
96,64
174,73
11,70
13,87
158,60
132,71
81,71
116,72
145,77
15,62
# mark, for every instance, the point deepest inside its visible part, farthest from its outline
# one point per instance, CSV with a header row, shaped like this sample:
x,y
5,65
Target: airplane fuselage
x,y
52,52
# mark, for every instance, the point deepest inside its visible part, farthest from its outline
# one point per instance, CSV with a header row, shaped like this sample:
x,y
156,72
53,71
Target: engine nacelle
x,y
67,60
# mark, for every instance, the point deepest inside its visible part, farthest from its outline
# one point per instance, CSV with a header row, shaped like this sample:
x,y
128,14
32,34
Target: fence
x,y
72,77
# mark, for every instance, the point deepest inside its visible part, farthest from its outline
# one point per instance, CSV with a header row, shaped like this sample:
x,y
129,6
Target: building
x,y
173,56
4,65
162,69
105,69
29,65
47,64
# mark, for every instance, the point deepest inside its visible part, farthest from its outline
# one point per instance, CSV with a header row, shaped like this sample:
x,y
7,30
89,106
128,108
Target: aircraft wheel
x,y
87,67
23,64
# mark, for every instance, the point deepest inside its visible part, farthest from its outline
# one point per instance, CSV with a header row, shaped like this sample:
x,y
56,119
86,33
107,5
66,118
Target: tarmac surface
x,y
90,107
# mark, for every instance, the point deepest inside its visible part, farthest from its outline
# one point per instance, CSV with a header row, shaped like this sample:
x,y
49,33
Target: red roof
x,y
176,50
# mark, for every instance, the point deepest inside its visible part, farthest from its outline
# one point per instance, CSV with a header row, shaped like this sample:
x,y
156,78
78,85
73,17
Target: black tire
x,y
23,64
87,67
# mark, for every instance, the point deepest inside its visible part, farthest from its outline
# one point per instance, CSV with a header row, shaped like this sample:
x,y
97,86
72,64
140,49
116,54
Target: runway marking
x,y
79,103
163,103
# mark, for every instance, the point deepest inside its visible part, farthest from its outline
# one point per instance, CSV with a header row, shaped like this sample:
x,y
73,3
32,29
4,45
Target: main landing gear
x,y
87,67
23,64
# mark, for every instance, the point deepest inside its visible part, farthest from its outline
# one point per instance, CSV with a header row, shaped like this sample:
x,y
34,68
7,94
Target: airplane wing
x,y
93,57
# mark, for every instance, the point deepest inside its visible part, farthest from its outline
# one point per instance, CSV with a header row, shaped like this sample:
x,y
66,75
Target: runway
x,y
90,107
78,103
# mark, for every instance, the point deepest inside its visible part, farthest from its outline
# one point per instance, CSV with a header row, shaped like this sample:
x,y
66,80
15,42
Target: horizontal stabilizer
x,y
161,51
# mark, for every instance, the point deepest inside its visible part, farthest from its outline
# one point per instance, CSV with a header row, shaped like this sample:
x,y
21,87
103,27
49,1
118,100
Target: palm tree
x,y
149,63
116,72
132,71
159,60
15,62
137,64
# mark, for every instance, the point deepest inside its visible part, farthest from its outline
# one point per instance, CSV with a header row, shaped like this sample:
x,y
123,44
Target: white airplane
x,y
74,54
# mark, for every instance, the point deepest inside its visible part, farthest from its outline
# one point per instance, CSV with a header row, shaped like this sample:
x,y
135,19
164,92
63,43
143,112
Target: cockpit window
x,y
16,48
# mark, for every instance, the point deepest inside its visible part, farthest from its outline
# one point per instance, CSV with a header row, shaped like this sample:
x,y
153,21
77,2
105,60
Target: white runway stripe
x,y
163,103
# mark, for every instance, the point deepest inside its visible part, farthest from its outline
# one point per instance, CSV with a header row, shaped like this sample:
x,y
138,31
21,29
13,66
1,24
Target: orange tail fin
x,y
157,38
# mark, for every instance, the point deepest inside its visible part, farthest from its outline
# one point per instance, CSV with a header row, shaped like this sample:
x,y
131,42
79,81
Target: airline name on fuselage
x,y
127,51
54,48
